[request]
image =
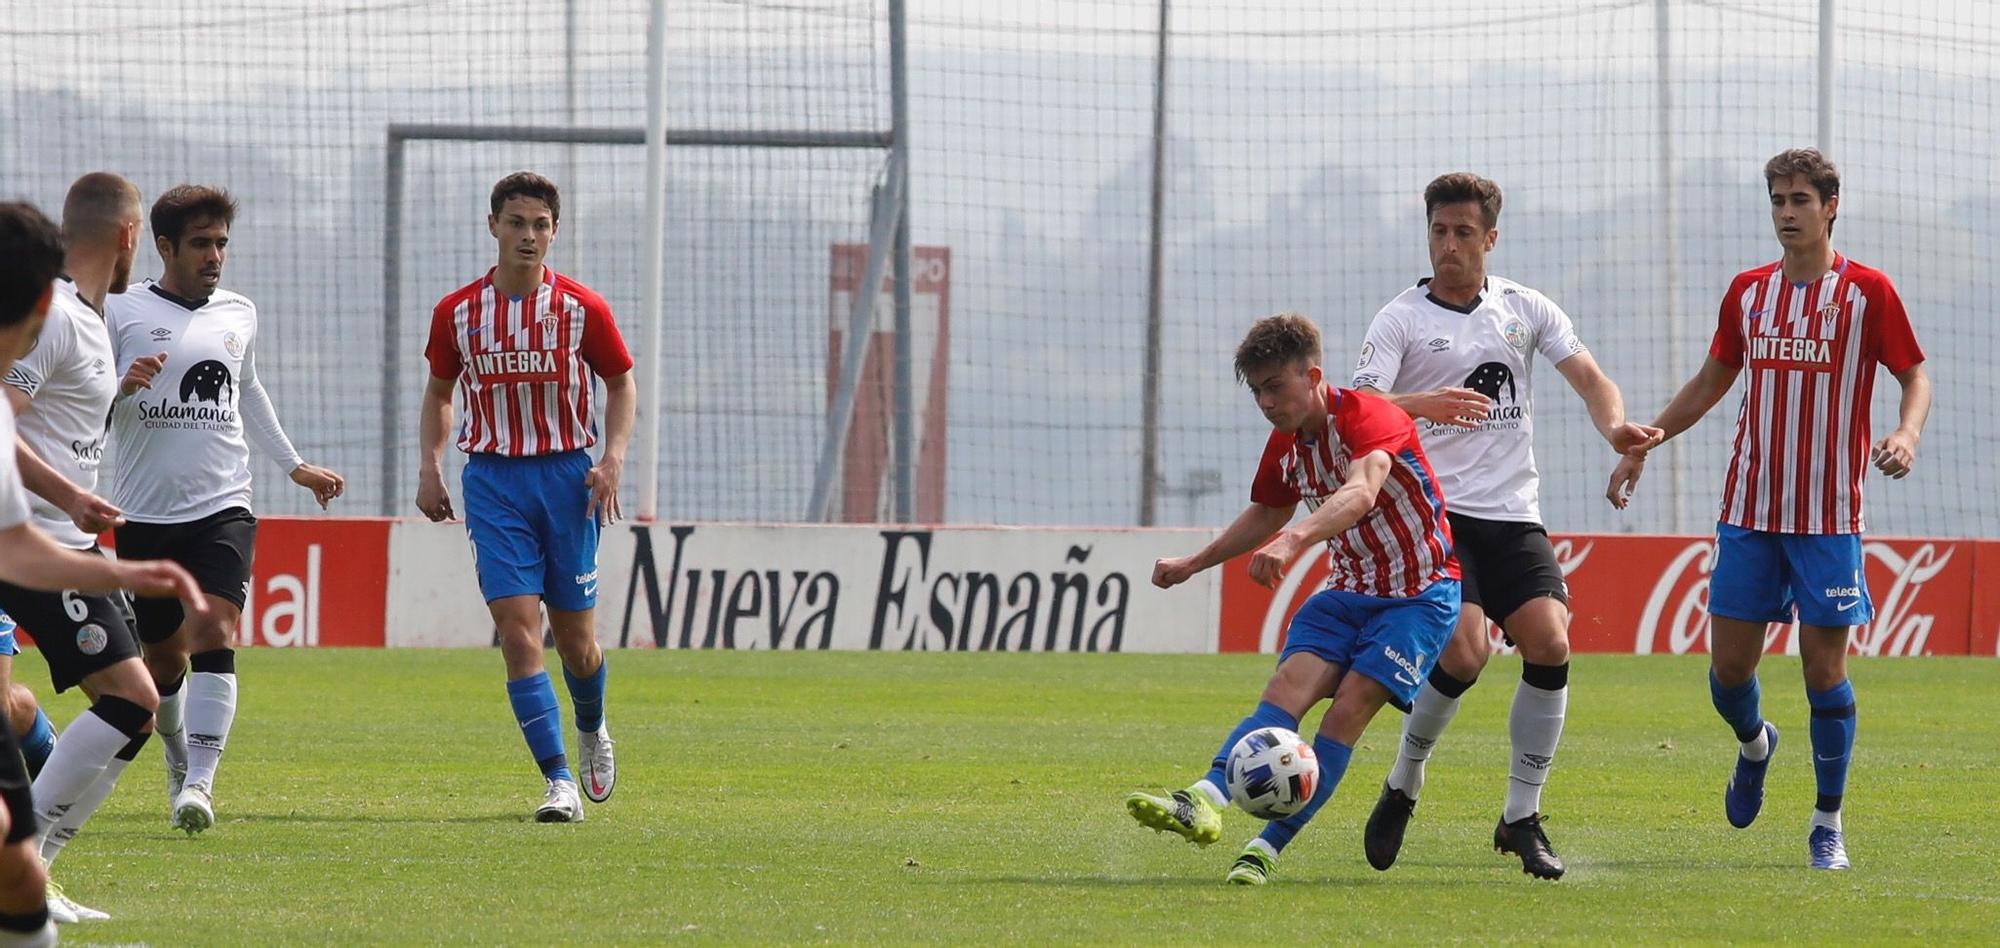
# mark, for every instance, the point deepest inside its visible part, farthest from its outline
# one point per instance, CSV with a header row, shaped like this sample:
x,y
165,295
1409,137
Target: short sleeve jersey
x,y
1419,342
1403,544
70,379
1808,352
525,367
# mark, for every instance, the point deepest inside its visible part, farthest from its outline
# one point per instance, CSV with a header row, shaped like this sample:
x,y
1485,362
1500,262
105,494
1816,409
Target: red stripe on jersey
x,y
1809,353
525,368
1402,544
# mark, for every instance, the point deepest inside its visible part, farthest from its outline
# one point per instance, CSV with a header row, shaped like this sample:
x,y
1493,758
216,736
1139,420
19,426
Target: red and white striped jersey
x,y
1810,351
1403,544
524,366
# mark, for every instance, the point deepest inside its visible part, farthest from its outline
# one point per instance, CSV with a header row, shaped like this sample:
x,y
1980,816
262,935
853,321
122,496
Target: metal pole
x,y
1825,132
653,303
860,326
569,179
903,437
1670,203
1149,412
392,326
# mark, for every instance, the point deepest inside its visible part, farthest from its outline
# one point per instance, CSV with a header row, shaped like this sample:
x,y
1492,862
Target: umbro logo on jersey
x,y
163,334
1440,344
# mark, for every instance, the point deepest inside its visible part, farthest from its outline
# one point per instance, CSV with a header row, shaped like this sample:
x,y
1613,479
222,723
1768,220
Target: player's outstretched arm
x,y
1456,407
1349,503
29,558
1896,453
433,499
1710,383
1606,404
1253,526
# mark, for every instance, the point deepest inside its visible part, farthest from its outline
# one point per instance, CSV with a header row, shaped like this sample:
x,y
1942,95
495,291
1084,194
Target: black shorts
x,y
217,550
1505,565
78,634
14,784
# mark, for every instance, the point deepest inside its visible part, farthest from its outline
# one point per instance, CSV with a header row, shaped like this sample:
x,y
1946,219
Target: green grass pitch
x,y
382,797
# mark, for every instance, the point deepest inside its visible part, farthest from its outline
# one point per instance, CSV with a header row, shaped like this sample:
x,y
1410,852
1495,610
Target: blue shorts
x,y
532,534
1393,641
1763,577
8,646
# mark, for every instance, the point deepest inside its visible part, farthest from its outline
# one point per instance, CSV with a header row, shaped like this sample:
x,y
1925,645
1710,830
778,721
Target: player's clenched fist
x,y
1171,572
1268,564
142,373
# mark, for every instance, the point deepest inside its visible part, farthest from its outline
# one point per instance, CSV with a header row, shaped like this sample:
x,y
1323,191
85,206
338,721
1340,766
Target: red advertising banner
x,y
1649,595
316,581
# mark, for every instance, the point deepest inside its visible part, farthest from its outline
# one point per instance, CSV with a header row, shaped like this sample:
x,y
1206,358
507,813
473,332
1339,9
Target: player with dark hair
x,y
31,258
523,345
183,475
1392,595
1809,328
1457,352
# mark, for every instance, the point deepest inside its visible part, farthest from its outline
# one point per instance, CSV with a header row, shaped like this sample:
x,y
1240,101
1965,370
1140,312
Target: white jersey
x,y
178,447
69,379
13,495
1419,342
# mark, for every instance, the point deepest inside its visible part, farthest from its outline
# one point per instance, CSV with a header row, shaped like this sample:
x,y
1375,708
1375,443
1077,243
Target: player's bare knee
x,y
130,680
21,706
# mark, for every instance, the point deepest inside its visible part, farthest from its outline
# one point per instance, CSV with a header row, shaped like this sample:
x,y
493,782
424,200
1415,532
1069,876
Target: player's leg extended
x,y
1356,699
1747,591
533,698
1302,679
127,680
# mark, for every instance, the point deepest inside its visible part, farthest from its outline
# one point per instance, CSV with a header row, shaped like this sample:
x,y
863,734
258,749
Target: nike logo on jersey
x,y
590,590
1844,606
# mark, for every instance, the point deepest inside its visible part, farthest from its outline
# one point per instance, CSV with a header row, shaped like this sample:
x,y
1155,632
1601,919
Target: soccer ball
x,y
1272,773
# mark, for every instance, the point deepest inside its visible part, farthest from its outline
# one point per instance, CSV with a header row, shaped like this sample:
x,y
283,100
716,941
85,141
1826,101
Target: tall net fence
x,y
1300,136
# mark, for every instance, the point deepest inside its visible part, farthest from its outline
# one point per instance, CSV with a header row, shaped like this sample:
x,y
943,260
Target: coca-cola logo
x,y
1675,619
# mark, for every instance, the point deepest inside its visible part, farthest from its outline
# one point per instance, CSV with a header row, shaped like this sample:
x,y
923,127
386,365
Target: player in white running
x,y
188,398
1456,351
31,257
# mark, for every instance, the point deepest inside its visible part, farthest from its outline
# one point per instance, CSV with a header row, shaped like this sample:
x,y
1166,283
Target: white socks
x,y
1429,715
1535,725
169,724
211,709
1760,748
87,746
59,835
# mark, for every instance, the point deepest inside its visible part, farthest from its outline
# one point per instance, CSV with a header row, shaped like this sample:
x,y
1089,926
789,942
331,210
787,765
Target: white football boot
x,y
562,805
598,768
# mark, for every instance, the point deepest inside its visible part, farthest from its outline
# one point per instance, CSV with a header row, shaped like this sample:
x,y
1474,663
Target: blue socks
x,y
1333,757
534,701
586,695
1832,741
1739,707
39,743
1266,715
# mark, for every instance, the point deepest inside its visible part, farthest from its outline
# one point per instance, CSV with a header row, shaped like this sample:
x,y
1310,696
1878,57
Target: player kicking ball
x,y
1810,329
522,345
1371,635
